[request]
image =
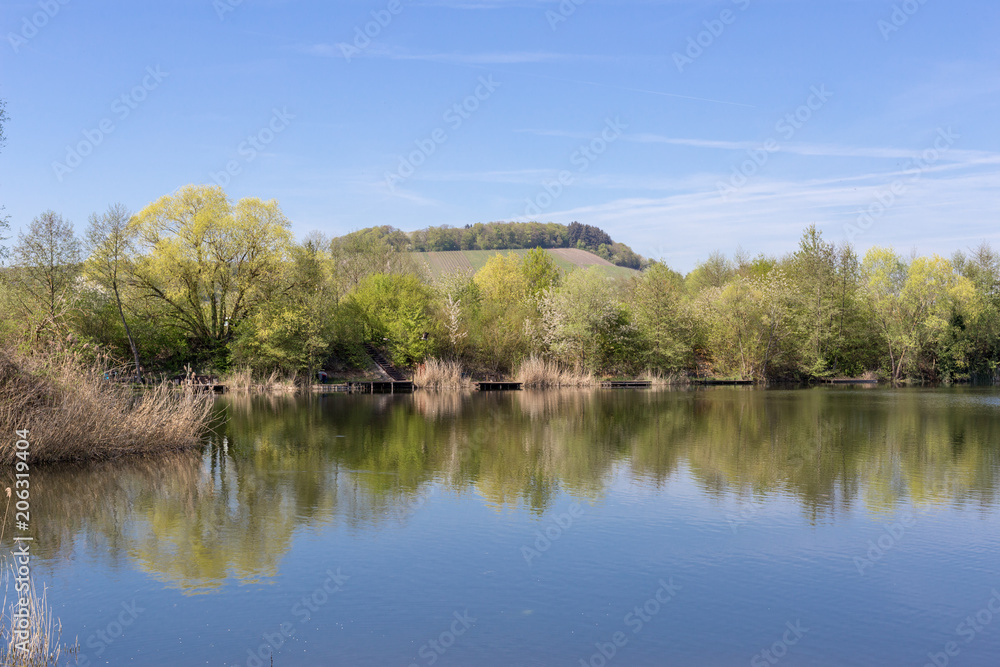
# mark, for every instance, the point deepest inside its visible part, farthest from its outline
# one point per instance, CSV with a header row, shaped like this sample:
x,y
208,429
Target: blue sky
x,y
664,122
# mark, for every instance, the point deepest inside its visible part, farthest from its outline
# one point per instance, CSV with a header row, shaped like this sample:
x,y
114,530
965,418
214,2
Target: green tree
x,y
209,262
540,271
396,311
913,303
367,252
715,271
501,313
109,241
813,272
663,318
746,325
46,263
982,332
294,329
503,279
586,324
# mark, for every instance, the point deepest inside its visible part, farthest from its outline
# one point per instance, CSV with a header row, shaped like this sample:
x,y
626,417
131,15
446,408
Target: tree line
x,y
522,235
198,279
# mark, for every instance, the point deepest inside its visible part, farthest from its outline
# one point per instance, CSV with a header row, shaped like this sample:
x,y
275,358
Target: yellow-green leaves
x,y
207,259
914,303
502,279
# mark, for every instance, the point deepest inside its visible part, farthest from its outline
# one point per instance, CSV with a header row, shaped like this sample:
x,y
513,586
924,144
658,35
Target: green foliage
x,y
46,266
715,271
208,262
585,324
540,271
500,313
197,279
664,319
293,330
915,305
503,280
747,325
395,312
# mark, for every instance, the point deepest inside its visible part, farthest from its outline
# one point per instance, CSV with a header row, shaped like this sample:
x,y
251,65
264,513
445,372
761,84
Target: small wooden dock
x,y
382,387
499,386
626,384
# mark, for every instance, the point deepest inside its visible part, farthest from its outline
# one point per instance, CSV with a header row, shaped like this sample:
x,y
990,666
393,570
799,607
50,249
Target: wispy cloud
x,y
325,50
684,227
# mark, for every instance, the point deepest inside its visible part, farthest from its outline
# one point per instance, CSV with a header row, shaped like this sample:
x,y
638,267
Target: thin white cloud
x,y
767,216
326,50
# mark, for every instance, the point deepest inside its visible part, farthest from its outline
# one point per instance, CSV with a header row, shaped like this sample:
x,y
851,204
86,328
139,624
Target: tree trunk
x,y
128,333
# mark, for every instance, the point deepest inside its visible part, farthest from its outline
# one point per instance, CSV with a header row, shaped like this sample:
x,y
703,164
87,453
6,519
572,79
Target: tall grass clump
x,y
537,372
245,381
439,374
40,643
74,410
658,379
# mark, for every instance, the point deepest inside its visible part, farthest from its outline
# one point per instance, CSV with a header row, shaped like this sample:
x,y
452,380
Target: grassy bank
x,y
73,413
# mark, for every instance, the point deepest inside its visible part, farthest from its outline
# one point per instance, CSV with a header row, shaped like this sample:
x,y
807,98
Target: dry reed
x,y
35,640
658,379
439,374
243,381
537,372
74,411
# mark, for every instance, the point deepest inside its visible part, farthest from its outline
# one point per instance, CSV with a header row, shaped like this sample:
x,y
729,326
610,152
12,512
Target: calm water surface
x,y
824,526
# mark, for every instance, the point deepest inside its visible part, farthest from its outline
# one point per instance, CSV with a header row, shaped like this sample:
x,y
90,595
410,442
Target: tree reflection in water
x,y
278,465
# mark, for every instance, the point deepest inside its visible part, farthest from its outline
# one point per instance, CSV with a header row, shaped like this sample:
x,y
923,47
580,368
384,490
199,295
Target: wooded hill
x,y
525,235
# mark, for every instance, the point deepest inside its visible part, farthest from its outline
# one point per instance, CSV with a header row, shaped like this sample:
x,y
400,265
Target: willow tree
x,y
207,261
913,303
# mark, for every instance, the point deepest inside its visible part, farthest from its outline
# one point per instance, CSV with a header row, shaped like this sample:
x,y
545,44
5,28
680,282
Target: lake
x,y
721,526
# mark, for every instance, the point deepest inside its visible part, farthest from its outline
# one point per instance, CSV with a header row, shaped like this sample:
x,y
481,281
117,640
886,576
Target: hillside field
x,y
436,264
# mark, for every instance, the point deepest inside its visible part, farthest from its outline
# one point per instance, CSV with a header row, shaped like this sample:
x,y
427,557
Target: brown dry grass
x,y
537,372
243,381
438,374
41,646
658,379
73,413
